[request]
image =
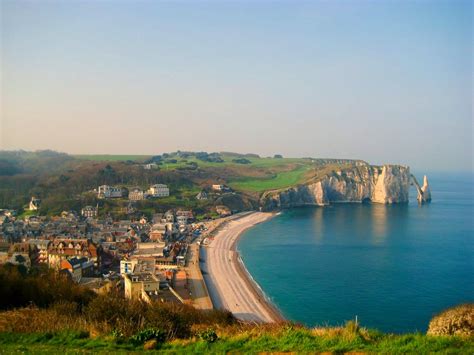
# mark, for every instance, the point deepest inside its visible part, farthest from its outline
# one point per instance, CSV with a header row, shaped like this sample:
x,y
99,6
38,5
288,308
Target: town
x,y
148,259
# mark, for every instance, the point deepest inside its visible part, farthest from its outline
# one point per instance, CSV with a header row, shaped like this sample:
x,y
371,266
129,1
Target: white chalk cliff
x,y
425,194
387,184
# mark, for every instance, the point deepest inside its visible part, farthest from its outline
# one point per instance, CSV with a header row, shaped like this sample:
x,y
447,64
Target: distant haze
x,y
383,81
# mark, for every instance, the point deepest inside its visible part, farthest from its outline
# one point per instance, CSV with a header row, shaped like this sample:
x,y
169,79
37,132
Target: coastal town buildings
x,y
202,195
159,190
90,212
77,267
34,204
63,249
42,247
137,194
223,210
150,166
88,250
221,188
106,191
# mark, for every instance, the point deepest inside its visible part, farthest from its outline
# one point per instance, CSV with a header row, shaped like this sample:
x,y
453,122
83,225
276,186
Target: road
x,y
199,294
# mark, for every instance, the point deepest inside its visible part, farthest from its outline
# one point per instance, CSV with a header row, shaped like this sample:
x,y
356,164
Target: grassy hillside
x,y
65,182
111,157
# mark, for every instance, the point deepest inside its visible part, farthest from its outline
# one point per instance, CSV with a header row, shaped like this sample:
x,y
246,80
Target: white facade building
x,y
107,191
159,190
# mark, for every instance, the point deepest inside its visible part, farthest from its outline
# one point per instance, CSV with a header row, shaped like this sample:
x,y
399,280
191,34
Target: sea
x,y
393,267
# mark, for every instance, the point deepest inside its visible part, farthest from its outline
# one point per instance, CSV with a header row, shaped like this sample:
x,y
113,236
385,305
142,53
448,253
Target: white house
x,y
150,166
106,191
34,204
159,190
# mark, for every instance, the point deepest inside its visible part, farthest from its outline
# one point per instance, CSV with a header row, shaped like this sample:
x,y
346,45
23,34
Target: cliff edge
x,y
357,183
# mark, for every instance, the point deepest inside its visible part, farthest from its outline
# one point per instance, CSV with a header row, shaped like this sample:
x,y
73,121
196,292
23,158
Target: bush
x,y
209,336
114,312
352,327
40,287
148,334
241,161
458,320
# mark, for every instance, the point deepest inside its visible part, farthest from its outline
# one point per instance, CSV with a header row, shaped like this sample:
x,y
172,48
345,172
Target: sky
x,y
383,81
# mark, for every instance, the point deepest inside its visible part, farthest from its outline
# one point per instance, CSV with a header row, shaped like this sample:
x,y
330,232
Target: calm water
x,y
392,266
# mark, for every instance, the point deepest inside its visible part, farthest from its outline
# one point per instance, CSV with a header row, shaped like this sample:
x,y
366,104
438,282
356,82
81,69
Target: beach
x,y
229,284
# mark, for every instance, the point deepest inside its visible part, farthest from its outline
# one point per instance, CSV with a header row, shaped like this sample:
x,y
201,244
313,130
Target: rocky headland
x,y
385,184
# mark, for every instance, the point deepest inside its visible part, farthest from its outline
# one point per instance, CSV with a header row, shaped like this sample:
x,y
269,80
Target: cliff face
x,y
389,184
424,195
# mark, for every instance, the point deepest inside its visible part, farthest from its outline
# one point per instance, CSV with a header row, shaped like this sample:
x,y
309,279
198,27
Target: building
x,y
159,190
137,264
42,246
182,220
106,191
158,232
63,249
90,212
34,204
169,216
221,188
137,195
186,213
154,249
223,210
150,166
202,195
136,284
77,267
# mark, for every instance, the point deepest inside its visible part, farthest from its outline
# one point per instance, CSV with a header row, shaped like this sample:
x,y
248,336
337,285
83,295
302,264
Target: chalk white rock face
x,y
389,184
425,196
392,185
318,193
346,189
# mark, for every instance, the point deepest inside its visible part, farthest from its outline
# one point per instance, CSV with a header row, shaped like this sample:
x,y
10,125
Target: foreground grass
x,y
291,340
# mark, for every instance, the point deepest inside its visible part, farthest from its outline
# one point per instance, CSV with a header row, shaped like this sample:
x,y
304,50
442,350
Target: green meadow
x,y
275,182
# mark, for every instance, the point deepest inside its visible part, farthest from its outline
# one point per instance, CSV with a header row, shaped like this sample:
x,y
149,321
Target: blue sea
x,y
393,266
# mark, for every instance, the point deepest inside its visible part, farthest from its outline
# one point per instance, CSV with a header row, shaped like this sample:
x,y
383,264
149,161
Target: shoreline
x,y
230,284
250,281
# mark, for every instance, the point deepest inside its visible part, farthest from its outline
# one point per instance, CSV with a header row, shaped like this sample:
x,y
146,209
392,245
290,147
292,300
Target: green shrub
x,y
148,334
208,335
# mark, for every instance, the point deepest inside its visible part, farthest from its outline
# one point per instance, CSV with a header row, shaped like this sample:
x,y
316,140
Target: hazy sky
x,y
383,81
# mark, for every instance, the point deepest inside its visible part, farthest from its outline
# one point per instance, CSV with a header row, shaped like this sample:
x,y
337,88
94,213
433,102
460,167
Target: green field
x,y
277,174
279,181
